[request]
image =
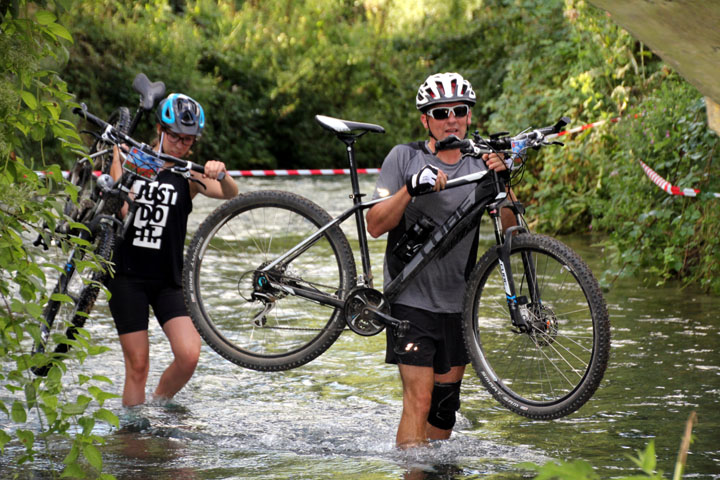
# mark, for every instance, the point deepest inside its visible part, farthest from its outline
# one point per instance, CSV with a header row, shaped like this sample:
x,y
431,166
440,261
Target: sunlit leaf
x,y
44,17
18,413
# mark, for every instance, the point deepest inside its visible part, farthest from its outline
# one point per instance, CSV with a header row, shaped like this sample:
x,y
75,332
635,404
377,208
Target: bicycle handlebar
x,y
478,145
119,137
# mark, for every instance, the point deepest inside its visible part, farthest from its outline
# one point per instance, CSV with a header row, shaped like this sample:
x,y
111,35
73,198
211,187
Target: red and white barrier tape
x,y
668,187
277,172
302,172
590,125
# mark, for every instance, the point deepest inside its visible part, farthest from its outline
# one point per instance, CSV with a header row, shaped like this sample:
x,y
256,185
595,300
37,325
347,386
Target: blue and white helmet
x,y
444,88
181,114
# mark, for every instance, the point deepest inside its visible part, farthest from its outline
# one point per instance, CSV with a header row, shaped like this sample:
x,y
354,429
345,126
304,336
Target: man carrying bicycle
x,y
431,358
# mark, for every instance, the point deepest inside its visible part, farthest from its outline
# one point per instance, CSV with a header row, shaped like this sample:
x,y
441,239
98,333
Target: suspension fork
x,y
504,243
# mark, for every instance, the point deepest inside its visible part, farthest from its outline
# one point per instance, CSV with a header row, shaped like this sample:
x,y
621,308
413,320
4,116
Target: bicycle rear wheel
x,y
64,316
120,119
554,368
233,243
82,173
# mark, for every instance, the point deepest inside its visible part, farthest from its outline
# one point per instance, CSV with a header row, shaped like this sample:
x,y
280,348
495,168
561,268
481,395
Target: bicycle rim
x,y
555,368
231,246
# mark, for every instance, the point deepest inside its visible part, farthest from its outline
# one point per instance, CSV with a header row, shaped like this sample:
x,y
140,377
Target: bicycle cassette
x,y
358,317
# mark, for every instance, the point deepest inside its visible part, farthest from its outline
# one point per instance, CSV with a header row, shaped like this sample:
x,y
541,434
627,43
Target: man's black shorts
x,y
132,297
434,340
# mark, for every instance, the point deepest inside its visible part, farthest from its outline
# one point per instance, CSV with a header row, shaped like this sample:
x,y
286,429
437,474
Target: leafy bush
x,y
33,101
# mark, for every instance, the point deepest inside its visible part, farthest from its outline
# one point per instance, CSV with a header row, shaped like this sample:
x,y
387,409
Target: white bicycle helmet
x,y
181,114
444,88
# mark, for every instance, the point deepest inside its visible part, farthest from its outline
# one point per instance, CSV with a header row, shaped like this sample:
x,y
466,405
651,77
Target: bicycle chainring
x,y
357,317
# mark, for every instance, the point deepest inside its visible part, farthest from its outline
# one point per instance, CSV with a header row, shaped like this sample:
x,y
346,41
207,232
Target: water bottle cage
x,y
413,239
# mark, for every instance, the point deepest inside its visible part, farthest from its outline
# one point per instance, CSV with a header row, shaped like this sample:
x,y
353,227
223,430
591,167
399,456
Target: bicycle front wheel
x,y
64,316
281,330
552,369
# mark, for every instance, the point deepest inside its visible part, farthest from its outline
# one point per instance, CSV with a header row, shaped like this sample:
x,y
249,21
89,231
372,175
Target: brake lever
x,y
185,173
91,133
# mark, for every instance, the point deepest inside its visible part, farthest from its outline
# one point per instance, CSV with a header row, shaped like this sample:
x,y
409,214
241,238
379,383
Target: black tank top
x,y
154,243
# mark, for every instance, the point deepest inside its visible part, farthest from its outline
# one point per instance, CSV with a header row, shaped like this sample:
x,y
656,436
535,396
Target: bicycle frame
x,y
489,194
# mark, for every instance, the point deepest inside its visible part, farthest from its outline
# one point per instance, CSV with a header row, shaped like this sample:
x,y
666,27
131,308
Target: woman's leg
x,y
185,343
136,351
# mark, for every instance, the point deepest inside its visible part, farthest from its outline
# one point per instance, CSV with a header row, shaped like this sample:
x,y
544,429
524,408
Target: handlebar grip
x,y
450,143
557,128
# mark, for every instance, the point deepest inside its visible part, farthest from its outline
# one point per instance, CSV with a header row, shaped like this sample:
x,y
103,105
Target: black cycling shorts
x,y
132,298
434,340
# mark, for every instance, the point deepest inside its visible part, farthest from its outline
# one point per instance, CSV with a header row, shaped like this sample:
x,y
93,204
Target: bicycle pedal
x,y
402,328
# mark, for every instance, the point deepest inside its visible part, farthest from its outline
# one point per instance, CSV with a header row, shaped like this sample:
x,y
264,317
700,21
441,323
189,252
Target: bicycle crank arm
x,y
402,326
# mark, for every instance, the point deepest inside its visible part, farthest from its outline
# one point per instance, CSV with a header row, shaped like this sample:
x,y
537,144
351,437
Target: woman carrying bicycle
x,y
148,262
432,357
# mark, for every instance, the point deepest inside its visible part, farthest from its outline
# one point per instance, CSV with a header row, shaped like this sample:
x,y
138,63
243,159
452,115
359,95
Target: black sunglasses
x,y
443,113
175,138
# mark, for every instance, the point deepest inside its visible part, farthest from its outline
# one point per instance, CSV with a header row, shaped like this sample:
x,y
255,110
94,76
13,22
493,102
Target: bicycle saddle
x,y
337,125
150,92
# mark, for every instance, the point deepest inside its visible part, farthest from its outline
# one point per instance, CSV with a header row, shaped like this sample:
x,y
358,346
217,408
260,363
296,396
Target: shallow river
x,y
335,418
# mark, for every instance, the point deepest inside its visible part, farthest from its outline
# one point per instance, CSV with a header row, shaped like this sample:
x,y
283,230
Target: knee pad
x,y
445,402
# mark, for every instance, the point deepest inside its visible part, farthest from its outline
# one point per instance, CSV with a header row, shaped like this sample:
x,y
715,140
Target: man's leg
x,y
136,351
185,343
453,376
417,385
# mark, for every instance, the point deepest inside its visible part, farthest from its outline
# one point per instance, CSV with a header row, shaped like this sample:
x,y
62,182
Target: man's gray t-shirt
x,y
440,286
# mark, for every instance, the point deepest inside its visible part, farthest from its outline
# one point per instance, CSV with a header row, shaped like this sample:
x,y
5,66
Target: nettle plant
x,y
34,409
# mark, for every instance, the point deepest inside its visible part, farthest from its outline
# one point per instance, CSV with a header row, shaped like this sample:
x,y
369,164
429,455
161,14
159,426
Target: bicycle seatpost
x,y
356,196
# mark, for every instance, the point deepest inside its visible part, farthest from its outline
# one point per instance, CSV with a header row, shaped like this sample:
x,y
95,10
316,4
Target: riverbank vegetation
x,y
39,410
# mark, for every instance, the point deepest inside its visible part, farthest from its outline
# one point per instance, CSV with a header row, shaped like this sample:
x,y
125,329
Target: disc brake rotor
x,y
543,325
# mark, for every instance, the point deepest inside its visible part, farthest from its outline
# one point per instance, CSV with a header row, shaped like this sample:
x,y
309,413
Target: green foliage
x,y
668,236
34,99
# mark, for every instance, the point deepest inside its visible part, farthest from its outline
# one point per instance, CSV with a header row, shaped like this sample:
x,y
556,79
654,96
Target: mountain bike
x,y
95,228
270,282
